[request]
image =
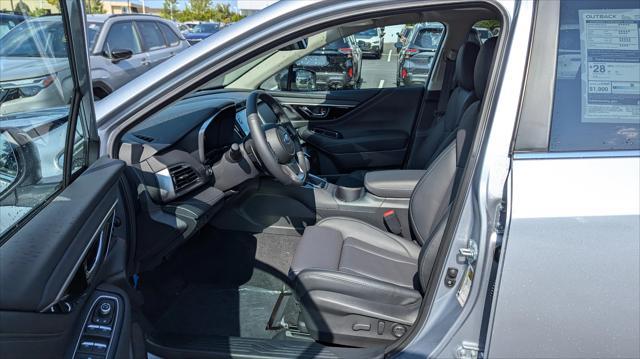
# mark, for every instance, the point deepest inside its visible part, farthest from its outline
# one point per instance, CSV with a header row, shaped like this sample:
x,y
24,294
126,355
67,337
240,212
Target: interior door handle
x,y
316,112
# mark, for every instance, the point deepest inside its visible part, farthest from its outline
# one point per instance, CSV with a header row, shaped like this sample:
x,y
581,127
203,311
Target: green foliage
x,y
488,24
169,9
93,7
201,10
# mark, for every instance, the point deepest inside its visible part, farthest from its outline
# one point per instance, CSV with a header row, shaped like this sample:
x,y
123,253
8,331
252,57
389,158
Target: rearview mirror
x,y
117,55
298,45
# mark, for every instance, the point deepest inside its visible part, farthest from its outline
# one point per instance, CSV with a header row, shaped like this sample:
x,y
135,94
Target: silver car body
x,y
568,232
107,75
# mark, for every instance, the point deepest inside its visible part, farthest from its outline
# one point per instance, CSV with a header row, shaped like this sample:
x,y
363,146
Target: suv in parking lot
x,y
371,42
416,57
35,71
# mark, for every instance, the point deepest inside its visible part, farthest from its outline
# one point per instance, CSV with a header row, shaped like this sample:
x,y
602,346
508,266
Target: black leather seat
x,y
360,285
427,144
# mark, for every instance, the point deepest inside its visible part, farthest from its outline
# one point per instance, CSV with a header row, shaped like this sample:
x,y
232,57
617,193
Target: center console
x,y
268,205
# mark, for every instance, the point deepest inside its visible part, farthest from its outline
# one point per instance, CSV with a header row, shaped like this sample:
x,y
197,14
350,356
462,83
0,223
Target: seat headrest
x,y
464,65
483,65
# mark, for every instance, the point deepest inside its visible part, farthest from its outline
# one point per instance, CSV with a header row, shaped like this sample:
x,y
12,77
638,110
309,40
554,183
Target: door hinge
x,y
468,350
470,253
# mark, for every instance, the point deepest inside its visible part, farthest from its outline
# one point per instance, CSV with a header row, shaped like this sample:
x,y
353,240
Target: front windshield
x,y
367,34
35,39
205,28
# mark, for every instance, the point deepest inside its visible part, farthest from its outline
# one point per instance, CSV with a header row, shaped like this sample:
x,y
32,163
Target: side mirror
x,y
305,80
117,55
19,163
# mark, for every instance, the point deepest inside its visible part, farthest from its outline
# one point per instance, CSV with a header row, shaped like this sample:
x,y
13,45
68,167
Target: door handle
x,y
145,62
317,112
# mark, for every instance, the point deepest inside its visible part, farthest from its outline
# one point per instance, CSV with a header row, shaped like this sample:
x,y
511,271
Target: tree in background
x,y
222,13
169,9
91,6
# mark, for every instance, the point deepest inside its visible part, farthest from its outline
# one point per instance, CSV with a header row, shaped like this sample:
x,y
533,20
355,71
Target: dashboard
x,y
178,149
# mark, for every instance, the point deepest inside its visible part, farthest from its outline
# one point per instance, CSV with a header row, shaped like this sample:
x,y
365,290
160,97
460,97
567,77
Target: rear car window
x,y
597,90
151,37
171,36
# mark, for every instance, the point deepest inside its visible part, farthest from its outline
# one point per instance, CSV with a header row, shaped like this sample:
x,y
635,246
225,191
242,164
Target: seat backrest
x,y
432,197
461,97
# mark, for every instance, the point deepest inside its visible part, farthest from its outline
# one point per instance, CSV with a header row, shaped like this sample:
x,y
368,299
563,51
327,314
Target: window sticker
x,y
610,53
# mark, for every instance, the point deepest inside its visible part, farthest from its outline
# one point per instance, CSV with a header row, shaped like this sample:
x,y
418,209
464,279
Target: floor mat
x,y
223,283
206,310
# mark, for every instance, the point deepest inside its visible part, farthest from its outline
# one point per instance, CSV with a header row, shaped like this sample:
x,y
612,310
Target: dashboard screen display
x,y
241,120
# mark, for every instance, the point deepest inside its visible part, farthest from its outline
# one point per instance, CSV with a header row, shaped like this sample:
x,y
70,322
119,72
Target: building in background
x,y
250,7
128,7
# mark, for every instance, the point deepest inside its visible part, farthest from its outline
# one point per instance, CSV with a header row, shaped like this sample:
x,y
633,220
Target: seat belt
x,y
447,81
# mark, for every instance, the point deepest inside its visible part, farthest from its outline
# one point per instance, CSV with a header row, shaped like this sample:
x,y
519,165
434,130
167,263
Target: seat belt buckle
x,y
392,222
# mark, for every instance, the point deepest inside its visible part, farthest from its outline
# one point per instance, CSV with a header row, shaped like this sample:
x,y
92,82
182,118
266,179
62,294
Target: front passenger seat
x,y
359,285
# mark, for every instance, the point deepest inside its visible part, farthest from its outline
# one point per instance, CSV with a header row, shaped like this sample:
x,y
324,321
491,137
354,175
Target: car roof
x,y
105,17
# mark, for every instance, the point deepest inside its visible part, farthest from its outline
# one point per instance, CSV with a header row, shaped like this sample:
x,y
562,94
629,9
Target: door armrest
x,y
392,183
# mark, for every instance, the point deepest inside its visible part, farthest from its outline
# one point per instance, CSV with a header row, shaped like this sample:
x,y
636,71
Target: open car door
x,y
62,217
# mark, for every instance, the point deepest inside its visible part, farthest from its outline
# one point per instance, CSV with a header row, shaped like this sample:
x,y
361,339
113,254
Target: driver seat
x,y
359,285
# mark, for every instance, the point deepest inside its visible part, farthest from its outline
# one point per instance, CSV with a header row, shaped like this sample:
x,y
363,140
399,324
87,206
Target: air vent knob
x,y
234,154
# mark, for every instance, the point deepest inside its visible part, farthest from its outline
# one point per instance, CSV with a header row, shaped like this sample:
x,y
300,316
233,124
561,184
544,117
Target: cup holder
x,y
349,194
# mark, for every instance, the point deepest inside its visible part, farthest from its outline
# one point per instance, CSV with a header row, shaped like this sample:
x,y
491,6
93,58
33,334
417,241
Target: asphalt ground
x,y
379,73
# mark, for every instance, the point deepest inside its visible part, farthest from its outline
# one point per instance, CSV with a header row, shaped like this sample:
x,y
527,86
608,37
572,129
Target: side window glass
x,y
151,37
122,36
373,58
36,90
171,36
597,91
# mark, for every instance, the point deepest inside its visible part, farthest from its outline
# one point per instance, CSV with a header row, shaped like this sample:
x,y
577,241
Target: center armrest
x,y
392,183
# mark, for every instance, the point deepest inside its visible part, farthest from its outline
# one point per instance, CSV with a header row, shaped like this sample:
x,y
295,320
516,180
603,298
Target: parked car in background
x,y
8,21
35,70
416,58
334,66
371,42
201,32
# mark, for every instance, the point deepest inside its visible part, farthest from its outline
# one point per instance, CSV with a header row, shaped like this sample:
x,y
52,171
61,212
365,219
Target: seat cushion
x,y
351,246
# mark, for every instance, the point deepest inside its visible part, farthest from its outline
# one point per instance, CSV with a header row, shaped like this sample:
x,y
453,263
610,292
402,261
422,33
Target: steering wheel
x,y
277,145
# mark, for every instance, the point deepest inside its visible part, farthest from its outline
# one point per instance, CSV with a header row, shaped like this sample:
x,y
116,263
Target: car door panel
x,y
355,129
58,259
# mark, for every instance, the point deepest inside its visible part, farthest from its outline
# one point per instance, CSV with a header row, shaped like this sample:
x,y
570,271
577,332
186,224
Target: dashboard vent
x,y
183,176
144,138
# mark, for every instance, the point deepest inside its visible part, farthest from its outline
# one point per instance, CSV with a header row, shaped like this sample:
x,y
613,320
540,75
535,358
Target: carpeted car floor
x,y
221,283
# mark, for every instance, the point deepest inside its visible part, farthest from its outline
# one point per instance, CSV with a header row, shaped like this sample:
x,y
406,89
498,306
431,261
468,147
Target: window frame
x,y
81,109
532,136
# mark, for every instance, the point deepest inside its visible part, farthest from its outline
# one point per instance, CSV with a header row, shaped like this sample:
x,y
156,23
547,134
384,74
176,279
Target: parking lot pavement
x,y
378,73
